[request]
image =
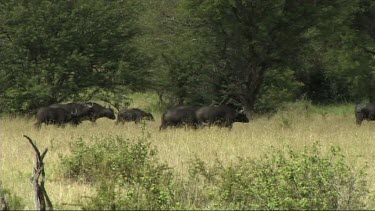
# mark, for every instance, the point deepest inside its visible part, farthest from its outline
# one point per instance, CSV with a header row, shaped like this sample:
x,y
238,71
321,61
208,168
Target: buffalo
x,y
134,114
364,112
59,116
80,110
99,112
179,116
221,115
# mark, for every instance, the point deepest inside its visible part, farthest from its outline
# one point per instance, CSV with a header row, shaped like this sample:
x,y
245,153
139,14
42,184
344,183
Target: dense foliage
x,y
53,51
128,175
293,180
256,54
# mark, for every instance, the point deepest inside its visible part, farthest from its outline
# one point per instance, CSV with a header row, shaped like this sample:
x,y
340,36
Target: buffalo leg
x,y
38,125
228,124
359,118
163,126
359,121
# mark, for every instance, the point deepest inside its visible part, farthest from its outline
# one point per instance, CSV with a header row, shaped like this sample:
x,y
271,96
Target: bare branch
x,y
41,196
44,154
33,145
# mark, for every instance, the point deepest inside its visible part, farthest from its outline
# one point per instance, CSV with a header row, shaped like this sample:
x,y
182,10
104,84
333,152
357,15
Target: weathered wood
x,y
38,179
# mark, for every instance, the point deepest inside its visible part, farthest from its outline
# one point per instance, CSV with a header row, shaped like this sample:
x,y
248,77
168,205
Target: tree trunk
x,y
248,103
252,88
161,100
181,100
371,94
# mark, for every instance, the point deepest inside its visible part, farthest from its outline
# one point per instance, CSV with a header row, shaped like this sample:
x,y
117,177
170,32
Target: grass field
x,y
296,127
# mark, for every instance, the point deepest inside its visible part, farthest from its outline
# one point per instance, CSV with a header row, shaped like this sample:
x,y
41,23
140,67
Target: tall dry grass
x,y
178,146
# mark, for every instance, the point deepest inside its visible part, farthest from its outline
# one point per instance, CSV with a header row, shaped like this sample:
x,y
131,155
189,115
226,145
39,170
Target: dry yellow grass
x,y
177,146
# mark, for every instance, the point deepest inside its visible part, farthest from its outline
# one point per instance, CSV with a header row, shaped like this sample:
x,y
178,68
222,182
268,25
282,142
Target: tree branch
x,y
41,195
369,51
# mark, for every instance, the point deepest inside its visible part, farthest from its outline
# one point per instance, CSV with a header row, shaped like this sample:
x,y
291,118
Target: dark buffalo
x,y
219,115
99,112
179,116
59,116
364,112
81,111
134,114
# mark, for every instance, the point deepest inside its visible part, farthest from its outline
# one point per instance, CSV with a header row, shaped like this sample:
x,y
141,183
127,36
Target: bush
x,y
126,173
280,86
14,202
290,180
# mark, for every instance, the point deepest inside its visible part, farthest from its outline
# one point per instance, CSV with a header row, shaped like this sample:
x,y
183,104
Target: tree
x,y
363,27
54,51
251,38
337,65
180,69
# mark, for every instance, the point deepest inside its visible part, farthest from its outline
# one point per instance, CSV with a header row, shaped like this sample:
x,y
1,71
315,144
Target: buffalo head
x,y
241,117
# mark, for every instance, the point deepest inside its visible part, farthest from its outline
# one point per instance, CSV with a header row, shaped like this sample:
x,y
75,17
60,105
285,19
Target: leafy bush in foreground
x,y
291,180
127,175
13,201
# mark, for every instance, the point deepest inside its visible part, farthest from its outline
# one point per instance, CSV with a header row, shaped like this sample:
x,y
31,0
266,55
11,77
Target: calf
x,y
134,114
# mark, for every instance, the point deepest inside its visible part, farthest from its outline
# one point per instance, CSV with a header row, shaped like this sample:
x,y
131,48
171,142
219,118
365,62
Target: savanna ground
x,y
296,126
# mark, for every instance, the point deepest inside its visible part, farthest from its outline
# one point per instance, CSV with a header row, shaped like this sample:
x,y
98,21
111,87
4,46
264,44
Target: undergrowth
x,y
127,175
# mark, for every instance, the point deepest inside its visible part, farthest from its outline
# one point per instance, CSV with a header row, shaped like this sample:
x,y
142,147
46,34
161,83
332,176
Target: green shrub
x,y
125,173
14,202
278,88
291,180
197,190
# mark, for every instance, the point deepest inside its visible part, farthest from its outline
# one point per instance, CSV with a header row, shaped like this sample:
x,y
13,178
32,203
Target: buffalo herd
x,y
195,116
190,116
73,113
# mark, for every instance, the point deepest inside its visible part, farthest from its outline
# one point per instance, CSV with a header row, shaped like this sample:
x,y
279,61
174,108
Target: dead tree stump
x,y
38,178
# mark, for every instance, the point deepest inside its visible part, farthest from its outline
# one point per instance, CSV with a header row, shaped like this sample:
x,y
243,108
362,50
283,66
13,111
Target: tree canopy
x,y
252,54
